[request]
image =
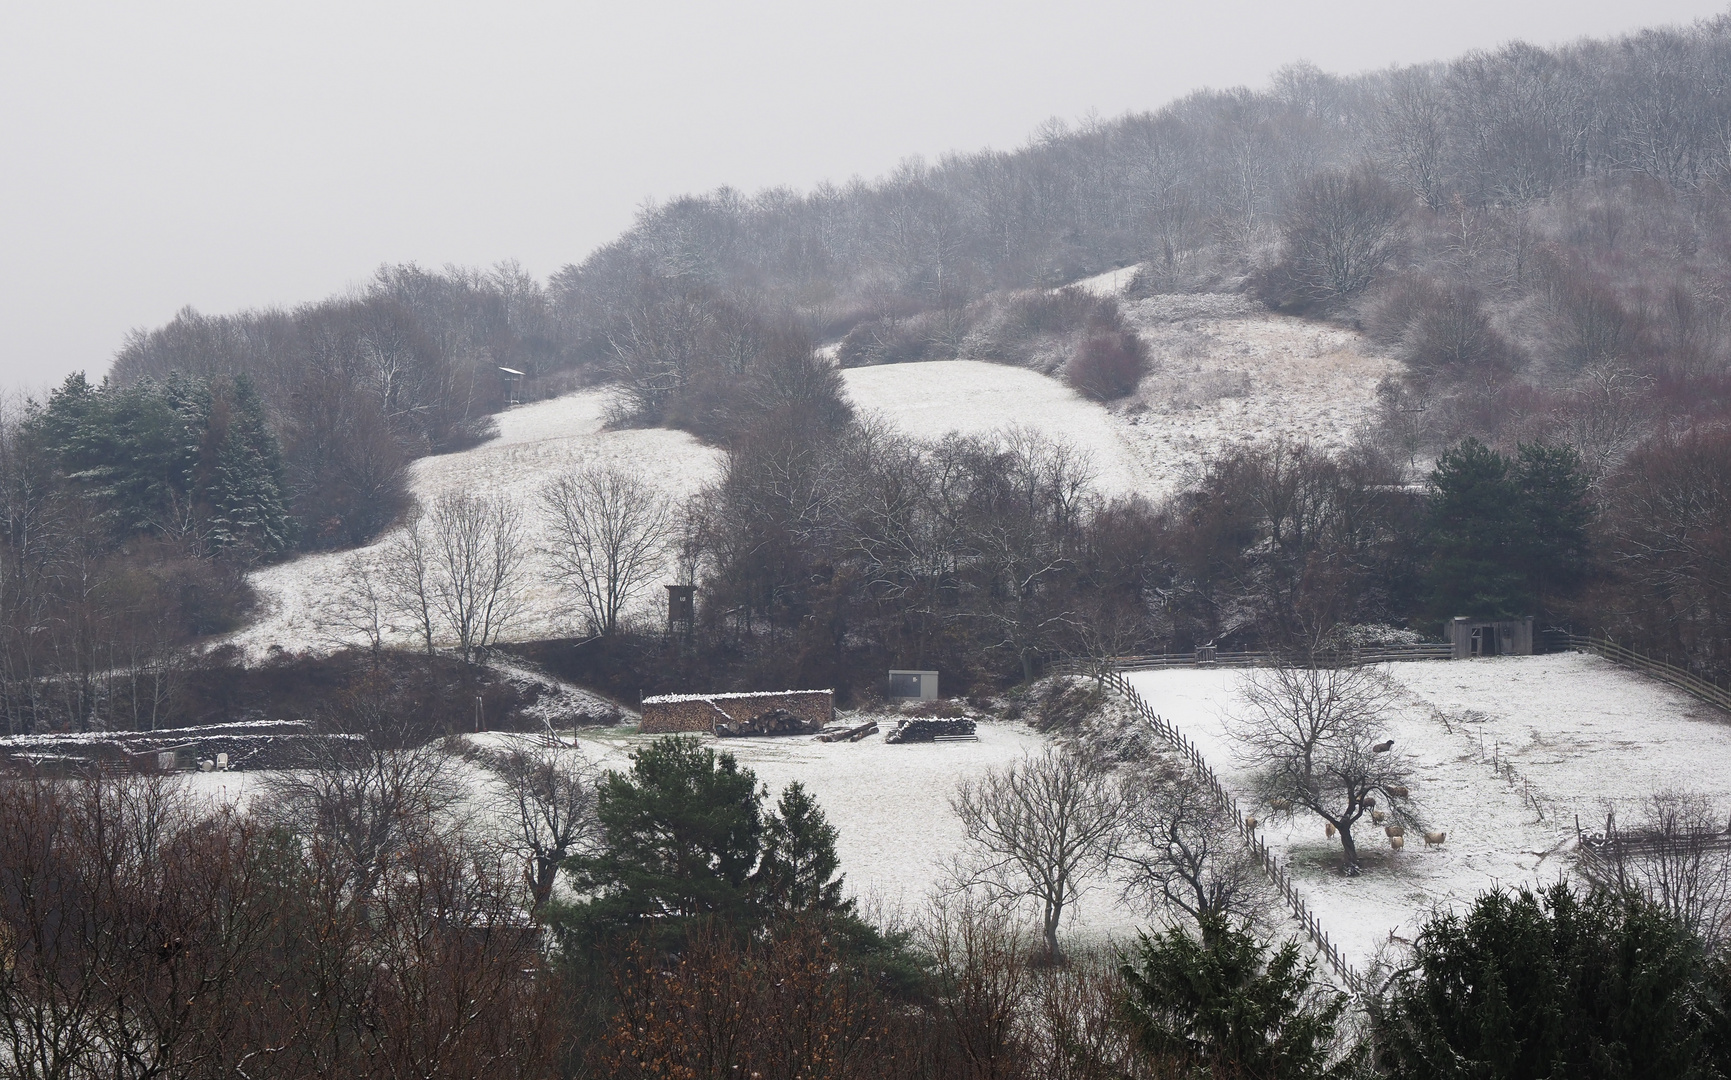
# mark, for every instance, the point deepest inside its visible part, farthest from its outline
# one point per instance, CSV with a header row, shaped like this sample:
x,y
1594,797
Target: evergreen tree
x,y
245,489
1506,535
1475,535
683,833
1550,985
1556,515
1222,1005
798,873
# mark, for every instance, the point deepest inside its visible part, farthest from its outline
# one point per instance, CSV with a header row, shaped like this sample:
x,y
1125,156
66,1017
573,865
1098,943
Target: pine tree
x,y
683,833
1223,1005
1556,514
245,487
798,872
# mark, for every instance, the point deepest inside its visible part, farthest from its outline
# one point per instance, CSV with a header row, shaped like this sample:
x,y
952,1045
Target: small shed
x,y
1472,637
917,685
513,381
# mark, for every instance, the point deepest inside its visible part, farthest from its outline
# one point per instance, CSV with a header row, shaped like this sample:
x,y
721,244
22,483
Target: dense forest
x,y
1541,236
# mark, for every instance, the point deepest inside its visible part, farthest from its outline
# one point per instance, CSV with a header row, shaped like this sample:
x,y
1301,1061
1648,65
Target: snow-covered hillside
x,y
931,400
1582,734
1223,373
536,443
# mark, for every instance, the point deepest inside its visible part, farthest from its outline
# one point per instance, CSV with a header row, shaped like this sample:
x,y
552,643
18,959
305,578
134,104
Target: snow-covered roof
x,y
670,699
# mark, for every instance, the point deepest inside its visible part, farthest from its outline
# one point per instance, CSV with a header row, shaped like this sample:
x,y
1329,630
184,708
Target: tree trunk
x,y
1349,848
1054,911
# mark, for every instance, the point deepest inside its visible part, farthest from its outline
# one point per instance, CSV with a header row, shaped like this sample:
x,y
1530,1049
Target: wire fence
x,y
1264,858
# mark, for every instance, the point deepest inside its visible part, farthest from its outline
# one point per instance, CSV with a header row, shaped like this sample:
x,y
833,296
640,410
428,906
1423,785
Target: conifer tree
x,y
245,490
798,872
1222,1005
1554,984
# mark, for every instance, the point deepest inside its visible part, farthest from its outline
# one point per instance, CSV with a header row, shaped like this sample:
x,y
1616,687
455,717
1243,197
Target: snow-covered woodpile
x,y
763,712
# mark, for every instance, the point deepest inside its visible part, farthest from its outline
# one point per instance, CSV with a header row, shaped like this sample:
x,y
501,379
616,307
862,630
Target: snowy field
x,y
971,397
888,801
1222,374
1581,733
536,443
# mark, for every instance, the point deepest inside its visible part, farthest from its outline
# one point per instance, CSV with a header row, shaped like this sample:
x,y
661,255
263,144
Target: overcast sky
x,y
235,154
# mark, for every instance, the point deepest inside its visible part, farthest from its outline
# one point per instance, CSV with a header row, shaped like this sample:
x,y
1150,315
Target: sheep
x,y
1397,842
1369,802
1281,805
1249,824
1328,827
1396,791
1394,830
1382,747
1377,817
1435,839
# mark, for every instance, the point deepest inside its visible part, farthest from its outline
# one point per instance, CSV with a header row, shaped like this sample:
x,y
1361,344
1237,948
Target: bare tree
x,y
1039,826
1178,849
608,533
362,607
1314,733
1678,857
407,577
478,551
546,794
363,794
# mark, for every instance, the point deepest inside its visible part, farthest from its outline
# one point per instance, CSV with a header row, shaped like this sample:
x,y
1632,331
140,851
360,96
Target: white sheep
x,y
1435,839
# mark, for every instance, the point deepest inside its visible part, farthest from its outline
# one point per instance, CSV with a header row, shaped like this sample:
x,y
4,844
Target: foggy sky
x,y
231,155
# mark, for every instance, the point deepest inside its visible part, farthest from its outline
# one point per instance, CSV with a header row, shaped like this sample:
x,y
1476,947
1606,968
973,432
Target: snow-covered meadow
x,y
536,443
1581,733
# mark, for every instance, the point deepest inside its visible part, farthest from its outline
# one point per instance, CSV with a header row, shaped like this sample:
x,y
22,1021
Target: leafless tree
x,y
363,794
546,795
608,533
1039,827
1679,858
362,607
1312,732
479,550
458,567
407,577
1178,850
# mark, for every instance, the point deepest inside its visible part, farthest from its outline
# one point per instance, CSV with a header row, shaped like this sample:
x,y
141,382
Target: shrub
x,y
1108,365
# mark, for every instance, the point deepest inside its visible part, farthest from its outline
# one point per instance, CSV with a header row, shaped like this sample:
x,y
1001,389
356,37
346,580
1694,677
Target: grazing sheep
x,y
1369,801
1282,805
1397,842
1395,791
1377,817
1382,747
1435,839
1395,830
1250,823
1328,827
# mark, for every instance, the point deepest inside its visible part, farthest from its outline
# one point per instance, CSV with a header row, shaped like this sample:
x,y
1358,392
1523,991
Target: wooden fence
x,y
1380,654
1670,673
1264,858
